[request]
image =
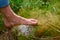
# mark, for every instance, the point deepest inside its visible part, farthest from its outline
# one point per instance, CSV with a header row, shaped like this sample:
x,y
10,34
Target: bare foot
x,y
11,19
17,20
20,20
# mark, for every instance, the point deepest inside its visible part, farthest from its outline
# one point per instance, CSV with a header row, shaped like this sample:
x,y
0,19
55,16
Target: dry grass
x,y
47,21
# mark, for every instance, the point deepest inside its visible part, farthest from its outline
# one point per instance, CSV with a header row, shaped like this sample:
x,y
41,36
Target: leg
x,y
13,19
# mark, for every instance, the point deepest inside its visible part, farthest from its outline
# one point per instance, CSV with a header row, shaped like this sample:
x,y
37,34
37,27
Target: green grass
x,y
47,14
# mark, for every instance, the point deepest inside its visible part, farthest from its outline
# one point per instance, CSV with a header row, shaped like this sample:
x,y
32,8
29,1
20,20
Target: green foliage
x,y
2,26
18,4
43,10
47,13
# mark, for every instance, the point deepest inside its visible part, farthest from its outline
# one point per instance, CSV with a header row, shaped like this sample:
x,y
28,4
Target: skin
x,y
11,19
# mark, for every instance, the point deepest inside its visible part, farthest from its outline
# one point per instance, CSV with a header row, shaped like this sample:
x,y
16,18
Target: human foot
x,y
13,19
20,20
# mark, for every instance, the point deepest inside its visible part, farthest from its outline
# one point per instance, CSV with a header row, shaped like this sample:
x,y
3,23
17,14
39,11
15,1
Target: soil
x,y
8,35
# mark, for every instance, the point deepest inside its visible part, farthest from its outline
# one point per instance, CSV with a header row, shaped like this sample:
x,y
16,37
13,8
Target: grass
x,y
47,14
